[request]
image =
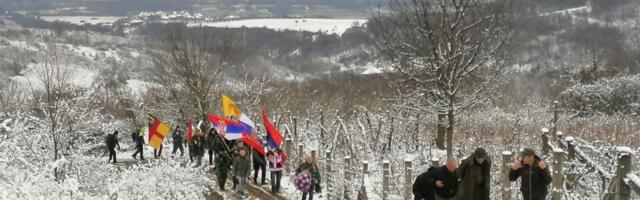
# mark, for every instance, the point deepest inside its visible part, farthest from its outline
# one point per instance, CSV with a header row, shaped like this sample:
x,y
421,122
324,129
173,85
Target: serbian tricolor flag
x,y
229,108
274,138
157,132
189,136
231,130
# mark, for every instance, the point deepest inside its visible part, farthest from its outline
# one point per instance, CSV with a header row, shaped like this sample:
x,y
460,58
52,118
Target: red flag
x,y
189,136
274,138
253,141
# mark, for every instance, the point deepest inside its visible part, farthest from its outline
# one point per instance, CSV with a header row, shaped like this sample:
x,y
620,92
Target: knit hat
x,y
480,153
528,152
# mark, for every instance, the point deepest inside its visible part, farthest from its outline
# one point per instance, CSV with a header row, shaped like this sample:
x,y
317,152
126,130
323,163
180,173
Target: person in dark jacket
x,y
475,175
534,174
138,137
438,183
236,152
211,139
198,146
222,160
241,171
112,142
178,137
259,163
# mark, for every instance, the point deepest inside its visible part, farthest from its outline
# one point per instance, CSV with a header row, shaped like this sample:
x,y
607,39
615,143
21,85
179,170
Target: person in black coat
x,y
475,176
112,142
437,183
178,137
259,163
534,174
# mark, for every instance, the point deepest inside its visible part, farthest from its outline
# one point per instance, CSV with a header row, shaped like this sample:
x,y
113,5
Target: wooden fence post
x,y
507,159
571,146
347,168
301,151
558,180
295,126
545,141
386,179
556,117
362,194
621,190
314,154
288,144
322,125
435,162
408,179
328,173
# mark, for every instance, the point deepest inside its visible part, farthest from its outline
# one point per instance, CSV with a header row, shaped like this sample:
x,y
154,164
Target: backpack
x,y
303,181
134,136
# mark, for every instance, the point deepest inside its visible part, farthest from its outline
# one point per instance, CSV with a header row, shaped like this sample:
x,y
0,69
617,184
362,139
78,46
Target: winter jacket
x,y
177,136
198,146
242,166
313,171
258,158
112,141
139,137
475,179
425,185
276,160
535,181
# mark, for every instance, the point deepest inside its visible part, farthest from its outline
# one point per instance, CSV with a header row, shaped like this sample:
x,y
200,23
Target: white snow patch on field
x,y
331,26
80,20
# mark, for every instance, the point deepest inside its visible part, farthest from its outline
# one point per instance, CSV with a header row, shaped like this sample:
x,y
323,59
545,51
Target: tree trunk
x,y
450,133
441,128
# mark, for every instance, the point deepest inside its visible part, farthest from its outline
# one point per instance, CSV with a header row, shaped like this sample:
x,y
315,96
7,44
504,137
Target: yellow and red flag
x,y
157,132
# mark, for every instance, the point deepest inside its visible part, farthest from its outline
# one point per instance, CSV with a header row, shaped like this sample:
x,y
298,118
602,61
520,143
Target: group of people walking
x,y
228,158
472,179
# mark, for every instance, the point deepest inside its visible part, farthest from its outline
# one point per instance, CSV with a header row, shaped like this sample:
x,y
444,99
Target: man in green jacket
x,y
475,175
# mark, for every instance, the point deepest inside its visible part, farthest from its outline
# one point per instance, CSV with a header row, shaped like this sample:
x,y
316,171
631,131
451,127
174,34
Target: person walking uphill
x,y
138,138
475,175
534,174
277,159
198,146
307,176
438,183
112,141
222,160
241,171
178,137
259,163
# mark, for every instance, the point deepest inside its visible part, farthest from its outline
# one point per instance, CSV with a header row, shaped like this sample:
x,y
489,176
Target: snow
x,y
625,150
331,26
558,150
569,139
634,179
507,153
545,130
80,20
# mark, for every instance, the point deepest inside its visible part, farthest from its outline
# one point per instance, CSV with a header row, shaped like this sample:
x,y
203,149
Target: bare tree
x,y
56,82
191,62
448,51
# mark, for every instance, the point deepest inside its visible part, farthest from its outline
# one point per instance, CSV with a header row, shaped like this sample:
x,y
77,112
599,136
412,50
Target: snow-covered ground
x,y
80,20
331,26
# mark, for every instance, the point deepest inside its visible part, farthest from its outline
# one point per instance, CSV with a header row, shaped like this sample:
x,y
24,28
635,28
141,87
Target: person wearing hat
x,y
534,174
475,175
438,183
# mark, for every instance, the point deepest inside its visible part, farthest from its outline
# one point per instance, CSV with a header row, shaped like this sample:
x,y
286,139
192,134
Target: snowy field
x,y
80,20
331,26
